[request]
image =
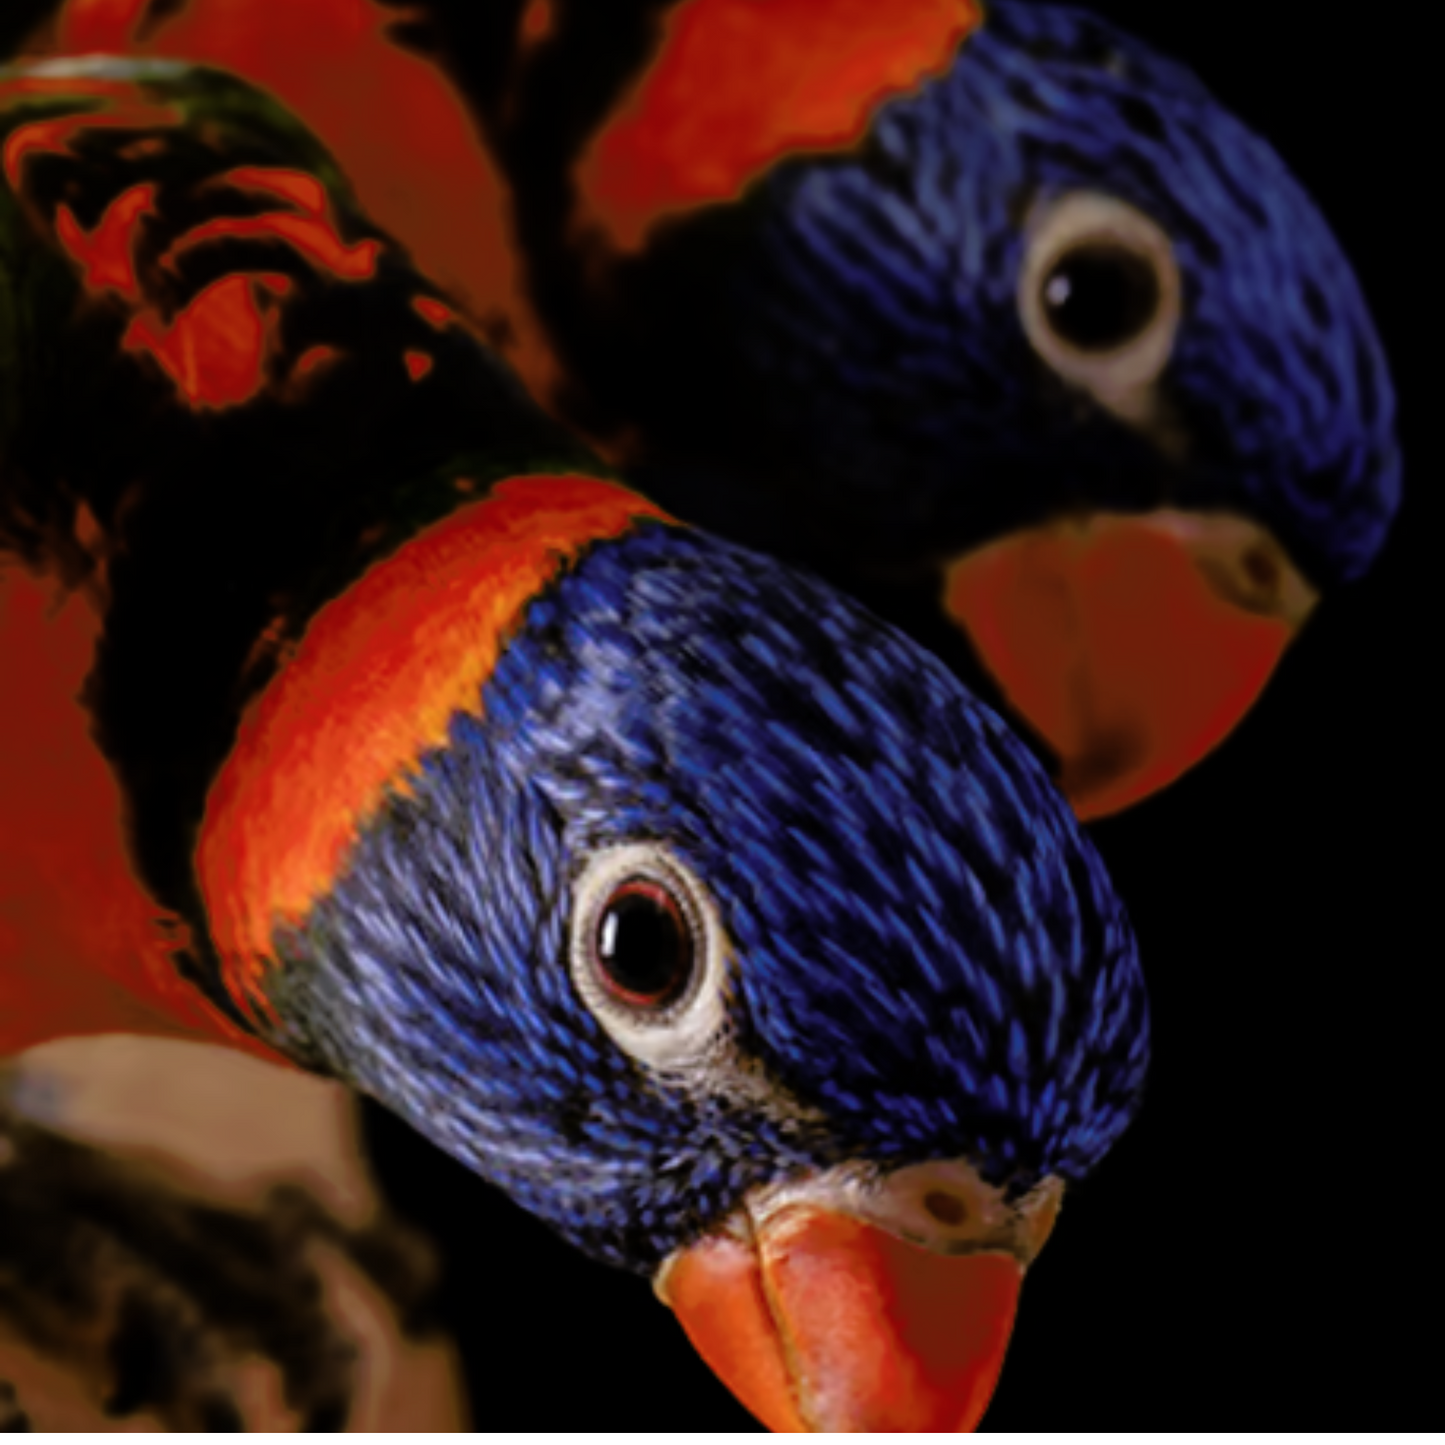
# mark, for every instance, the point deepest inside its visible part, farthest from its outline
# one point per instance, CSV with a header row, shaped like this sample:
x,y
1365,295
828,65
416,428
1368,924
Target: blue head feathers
x,y
874,305
1275,399
904,949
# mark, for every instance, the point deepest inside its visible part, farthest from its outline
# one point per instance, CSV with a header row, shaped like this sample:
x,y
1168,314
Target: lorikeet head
x,y
721,927
1007,300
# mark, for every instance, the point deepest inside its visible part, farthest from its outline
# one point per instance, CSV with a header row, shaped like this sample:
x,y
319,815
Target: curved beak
x,y
820,1320
1132,645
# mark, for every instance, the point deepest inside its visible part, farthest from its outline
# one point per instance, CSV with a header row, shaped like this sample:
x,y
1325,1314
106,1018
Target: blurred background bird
x,y
357,718
990,313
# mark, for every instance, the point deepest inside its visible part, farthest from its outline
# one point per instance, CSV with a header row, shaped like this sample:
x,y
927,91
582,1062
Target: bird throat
x,y
372,686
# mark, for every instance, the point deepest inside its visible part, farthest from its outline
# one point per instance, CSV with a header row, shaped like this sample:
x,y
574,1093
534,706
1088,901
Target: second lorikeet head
x,y
995,297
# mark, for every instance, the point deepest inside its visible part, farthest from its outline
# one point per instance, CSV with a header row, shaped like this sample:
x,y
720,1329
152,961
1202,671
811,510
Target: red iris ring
x,y
658,895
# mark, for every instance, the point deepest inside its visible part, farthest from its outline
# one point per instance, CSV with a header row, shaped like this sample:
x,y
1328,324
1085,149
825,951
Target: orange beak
x,y
1131,645
823,1322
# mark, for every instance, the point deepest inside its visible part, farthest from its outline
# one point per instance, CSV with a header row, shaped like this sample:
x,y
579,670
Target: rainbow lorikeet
x,y
986,304
354,715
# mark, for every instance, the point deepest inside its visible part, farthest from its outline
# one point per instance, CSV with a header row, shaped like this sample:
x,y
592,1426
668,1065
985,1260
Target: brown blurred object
x,y
190,1239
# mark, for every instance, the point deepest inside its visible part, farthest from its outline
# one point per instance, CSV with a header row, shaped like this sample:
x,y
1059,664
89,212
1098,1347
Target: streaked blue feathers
x,y
927,960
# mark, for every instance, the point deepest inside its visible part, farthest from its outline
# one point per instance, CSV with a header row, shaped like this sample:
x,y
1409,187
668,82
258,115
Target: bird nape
x,y
989,312
698,909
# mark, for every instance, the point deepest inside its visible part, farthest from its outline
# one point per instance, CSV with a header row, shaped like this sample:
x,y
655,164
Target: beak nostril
x,y
945,1208
1261,568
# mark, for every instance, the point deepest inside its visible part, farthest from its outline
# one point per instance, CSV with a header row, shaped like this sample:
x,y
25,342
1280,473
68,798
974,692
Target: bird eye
x,y
647,954
1099,295
643,945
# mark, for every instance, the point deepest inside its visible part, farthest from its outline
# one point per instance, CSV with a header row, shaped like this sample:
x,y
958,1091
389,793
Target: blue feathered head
x,y
1057,277
722,882
910,262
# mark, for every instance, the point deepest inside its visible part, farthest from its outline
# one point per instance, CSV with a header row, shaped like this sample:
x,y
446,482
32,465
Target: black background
x,y
1257,1253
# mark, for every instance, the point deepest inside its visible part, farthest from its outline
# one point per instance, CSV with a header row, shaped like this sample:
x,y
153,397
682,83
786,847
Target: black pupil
x,y
643,945
1099,297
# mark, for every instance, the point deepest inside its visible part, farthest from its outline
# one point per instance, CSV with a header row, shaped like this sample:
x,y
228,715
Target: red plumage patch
x,y
105,253
739,84
313,236
83,950
53,136
216,350
414,161
373,685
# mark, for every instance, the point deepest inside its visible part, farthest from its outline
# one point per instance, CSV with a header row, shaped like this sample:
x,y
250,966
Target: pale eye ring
x,y
1099,296
647,954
